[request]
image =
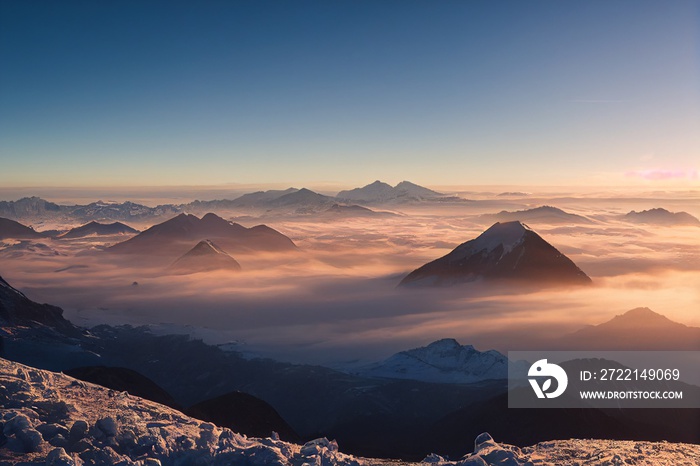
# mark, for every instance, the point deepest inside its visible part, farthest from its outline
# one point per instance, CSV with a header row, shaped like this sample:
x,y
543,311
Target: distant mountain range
x,y
660,216
543,214
508,251
292,200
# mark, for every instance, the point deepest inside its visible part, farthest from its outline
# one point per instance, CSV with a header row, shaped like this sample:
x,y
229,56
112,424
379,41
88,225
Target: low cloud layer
x,y
337,299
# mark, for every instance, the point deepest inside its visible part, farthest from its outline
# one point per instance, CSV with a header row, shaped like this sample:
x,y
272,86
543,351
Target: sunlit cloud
x,y
655,174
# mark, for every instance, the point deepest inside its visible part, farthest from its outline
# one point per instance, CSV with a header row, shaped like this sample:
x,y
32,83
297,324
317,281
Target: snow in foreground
x,y
53,419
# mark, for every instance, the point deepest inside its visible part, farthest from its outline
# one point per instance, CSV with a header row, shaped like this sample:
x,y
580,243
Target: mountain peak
x,y
445,343
205,256
505,251
641,316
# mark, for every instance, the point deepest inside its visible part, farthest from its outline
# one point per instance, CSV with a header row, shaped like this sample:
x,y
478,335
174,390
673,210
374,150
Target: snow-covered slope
x,y
443,361
53,419
506,251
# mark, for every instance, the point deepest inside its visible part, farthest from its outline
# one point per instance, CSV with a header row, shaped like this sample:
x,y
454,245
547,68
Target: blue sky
x,y
441,93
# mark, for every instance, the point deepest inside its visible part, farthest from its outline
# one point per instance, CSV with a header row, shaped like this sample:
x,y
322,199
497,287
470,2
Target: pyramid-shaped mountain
x,y
204,257
508,251
175,237
100,229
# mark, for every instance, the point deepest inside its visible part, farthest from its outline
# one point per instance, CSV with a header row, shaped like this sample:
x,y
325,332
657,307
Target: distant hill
x,y
661,216
380,192
99,229
204,257
638,329
508,251
175,237
542,214
15,230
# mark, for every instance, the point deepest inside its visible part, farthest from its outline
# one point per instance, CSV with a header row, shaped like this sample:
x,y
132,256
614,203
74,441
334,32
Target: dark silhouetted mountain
x,y
543,214
443,361
505,252
11,229
18,310
638,329
100,229
379,192
27,207
174,237
245,414
124,380
204,257
661,217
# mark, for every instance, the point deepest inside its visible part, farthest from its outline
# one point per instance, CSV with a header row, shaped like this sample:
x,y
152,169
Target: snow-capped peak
x,y
507,234
443,361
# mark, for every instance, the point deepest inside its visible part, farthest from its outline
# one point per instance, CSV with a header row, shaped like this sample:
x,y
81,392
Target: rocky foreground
x,y
53,419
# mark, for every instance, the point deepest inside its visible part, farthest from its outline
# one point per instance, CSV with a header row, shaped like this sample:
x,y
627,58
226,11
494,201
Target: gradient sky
x,y
458,93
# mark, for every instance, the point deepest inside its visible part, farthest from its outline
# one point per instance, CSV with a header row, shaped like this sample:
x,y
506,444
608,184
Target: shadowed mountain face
x,y
204,257
638,329
243,413
508,252
11,229
176,236
661,217
94,228
18,310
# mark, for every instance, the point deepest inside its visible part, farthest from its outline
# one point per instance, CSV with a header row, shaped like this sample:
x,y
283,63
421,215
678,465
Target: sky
x,y
154,93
